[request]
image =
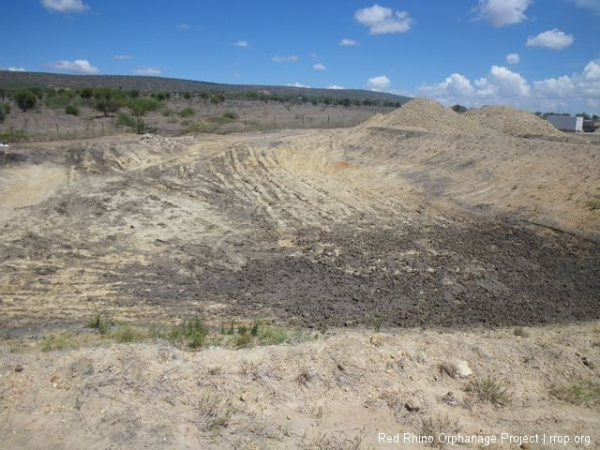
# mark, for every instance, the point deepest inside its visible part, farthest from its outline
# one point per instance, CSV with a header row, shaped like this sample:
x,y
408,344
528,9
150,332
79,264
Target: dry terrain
x,y
423,272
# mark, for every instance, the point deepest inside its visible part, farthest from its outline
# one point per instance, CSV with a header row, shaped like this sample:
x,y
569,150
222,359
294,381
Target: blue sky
x,y
535,54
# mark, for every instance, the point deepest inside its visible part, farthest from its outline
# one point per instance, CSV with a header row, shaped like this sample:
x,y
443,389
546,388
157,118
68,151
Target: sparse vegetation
x,y
438,425
99,322
594,204
125,120
521,332
584,392
187,112
488,390
214,412
191,333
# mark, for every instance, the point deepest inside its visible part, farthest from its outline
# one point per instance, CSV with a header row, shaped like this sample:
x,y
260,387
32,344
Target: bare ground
x,y
315,229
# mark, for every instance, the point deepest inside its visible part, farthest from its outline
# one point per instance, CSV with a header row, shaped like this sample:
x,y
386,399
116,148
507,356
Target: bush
x,y
72,110
25,100
125,120
230,115
108,100
191,333
187,112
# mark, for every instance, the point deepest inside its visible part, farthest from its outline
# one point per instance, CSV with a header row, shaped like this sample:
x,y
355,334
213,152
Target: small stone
x,y
412,407
376,340
18,368
525,446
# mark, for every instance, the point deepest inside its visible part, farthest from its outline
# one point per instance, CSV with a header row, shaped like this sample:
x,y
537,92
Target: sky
x,y
534,54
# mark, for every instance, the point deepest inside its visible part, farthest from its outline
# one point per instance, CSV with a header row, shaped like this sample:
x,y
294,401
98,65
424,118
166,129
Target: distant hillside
x,y
17,80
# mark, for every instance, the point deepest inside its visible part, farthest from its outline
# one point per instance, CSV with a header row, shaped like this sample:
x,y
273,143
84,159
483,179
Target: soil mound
x,y
512,121
431,116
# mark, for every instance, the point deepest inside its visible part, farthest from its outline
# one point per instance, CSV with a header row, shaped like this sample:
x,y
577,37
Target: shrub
x,y
191,333
230,115
72,110
489,390
187,112
107,100
25,100
125,120
586,392
100,322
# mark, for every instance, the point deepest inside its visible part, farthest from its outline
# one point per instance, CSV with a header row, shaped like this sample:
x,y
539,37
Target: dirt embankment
x,y
389,225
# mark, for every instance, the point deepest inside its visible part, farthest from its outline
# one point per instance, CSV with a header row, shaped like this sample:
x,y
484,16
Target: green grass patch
x,y
191,333
594,204
14,136
585,392
99,322
187,112
125,120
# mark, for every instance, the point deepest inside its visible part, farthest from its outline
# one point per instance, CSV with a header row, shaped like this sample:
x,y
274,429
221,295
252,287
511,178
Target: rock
x,y
462,369
525,446
18,368
412,406
376,340
450,399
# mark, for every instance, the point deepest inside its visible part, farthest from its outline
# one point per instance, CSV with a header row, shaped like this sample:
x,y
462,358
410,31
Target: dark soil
x,y
485,275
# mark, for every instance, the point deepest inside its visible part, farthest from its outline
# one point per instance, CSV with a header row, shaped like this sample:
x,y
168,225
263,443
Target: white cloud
x,y
555,87
298,85
500,13
382,20
379,83
510,84
123,57
334,86
319,67
348,42
456,85
503,86
17,69
65,6
241,44
554,39
513,58
148,71
289,58
183,26
594,5
79,66
500,86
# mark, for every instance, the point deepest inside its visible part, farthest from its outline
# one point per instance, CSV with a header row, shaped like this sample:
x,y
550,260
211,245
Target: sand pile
x,y
512,121
430,115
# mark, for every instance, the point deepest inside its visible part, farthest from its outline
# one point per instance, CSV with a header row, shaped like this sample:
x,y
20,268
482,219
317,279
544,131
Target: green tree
x,y
187,95
86,93
25,100
107,101
38,92
139,107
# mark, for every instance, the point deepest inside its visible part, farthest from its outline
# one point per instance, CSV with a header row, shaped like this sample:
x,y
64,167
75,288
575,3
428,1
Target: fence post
x,y
57,133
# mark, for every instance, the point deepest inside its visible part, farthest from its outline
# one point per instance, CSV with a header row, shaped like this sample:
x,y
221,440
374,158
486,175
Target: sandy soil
x,y
448,240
